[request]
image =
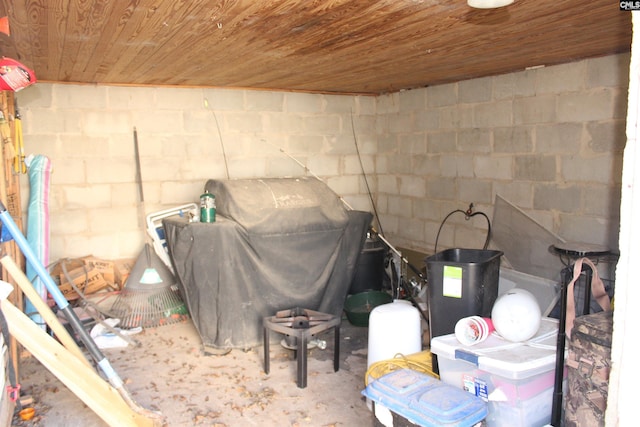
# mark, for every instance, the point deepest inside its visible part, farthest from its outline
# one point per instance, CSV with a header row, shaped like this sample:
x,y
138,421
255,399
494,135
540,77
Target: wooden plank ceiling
x,y
341,46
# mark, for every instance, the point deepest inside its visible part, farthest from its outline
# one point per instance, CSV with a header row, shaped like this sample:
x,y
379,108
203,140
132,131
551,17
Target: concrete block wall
x,y
549,140
185,137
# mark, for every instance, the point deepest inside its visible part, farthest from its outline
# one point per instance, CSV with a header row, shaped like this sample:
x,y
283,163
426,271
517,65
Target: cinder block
x,y
129,98
38,96
388,184
111,220
146,122
109,170
337,104
322,124
413,186
572,227
559,137
345,184
399,163
530,110
323,165
516,139
412,229
568,77
535,167
412,143
611,71
426,120
606,137
400,206
475,190
602,200
355,164
247,167
388,103
82,196
175,193
442,142
400,122
493,167
365,105
441,189
512,85
552,197
282,123
301,103
281,167
71,221
517,192
474,140
586,106
411,100
82,97
457,165
442,95
425,165
175,98
605,168
259,100
49,122
499,113
233,122
68,171
475,90
224,99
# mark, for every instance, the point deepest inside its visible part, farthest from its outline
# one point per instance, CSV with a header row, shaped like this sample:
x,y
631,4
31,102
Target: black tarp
x,y
276,244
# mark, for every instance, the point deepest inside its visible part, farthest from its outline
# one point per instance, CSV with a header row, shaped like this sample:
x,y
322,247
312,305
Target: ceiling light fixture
x,y
488,4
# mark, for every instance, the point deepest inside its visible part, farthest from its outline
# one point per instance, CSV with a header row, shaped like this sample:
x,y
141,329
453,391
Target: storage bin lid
x,y
501,357
426,401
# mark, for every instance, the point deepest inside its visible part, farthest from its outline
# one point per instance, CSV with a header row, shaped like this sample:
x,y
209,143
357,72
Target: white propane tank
x,y
393,328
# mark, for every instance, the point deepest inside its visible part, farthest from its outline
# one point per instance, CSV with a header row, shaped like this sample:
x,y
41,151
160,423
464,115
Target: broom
x,y
150,296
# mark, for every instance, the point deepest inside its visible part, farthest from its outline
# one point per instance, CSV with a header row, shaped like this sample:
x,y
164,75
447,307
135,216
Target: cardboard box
x,y
122,268
87,279
105,267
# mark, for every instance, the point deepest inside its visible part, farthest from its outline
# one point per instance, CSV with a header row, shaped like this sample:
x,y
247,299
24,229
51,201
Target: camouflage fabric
x,y
588,364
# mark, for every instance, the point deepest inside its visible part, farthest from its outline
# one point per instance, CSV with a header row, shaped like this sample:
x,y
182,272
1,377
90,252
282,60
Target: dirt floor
x,y
170,373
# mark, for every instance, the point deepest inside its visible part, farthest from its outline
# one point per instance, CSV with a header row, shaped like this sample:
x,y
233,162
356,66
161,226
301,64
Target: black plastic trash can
x,y
461,283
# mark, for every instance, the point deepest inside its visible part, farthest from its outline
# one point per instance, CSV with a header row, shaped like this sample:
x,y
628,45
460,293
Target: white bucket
x,y
393,328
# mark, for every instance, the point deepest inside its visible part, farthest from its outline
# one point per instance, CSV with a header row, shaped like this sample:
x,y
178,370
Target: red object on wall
x,y
14,75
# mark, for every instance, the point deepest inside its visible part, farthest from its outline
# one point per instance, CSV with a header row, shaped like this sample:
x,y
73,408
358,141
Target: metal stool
x,y
568,253
302,324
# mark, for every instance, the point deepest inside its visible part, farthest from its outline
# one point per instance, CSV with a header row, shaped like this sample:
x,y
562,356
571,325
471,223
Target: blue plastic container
x,y
424,400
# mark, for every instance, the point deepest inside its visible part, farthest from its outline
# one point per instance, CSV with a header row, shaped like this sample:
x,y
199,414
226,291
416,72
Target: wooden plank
x,y
338,46
10,196
83,381
47,314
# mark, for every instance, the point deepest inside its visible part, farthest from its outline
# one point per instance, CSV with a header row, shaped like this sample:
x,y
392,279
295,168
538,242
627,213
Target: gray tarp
x,y
276,244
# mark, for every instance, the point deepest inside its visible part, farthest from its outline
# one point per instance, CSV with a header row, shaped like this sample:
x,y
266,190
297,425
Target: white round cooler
x,y
393,328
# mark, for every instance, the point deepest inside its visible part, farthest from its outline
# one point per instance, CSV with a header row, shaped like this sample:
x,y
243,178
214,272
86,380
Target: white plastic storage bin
x,y
515,379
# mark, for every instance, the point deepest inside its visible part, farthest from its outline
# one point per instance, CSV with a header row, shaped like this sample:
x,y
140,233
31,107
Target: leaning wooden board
x,y
588,363
10,196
